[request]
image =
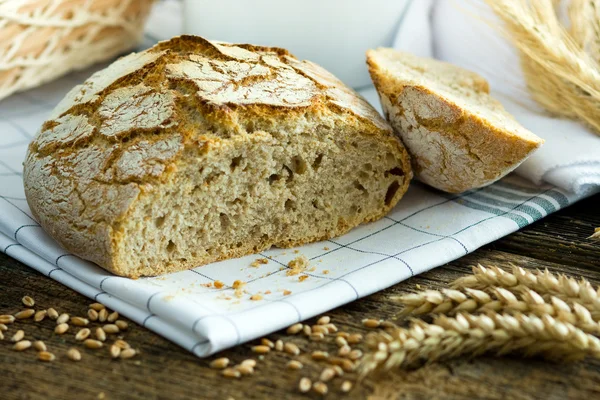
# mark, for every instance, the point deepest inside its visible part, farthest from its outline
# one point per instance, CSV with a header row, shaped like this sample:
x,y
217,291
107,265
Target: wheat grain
x,y
115,351
291,348
39,345
112,317
28,301
249,362
596,234
327,374
304,385
261,349
267,342
78,321
473,335
319,355
320,388
62,319
25,314
92,344
82,334
279,345
294,365
324,320
52,313
61,328
292,330
100,334
123,326
6,319
92,314
97,306
22,345
346,386
219,363
127,353
110,328
73,354
46,356
18,336
560,75
40,315
231,373
3,328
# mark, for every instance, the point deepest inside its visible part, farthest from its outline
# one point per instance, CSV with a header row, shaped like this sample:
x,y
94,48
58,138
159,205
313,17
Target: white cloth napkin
x,y
427,229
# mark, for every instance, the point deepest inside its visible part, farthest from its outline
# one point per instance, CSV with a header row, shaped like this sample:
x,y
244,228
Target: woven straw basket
x,y
41,40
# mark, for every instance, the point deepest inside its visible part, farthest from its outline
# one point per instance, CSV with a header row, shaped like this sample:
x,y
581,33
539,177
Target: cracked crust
x,y
458,136
135,126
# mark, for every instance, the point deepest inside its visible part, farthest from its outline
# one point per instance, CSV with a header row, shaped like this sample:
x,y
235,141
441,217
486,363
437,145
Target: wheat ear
x,y
560,75
452,302
585,25
543,282
473,335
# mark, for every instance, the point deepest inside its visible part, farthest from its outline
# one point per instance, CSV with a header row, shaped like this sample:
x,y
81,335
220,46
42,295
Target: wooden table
x,y
164,371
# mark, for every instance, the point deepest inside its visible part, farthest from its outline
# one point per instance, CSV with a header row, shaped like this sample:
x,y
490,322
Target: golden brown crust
x,y
127,128
455,144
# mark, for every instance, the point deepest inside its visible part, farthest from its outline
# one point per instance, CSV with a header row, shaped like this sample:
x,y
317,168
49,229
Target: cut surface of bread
x,y
458,136
196,151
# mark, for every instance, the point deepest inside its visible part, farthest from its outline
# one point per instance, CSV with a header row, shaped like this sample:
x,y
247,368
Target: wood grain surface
x,y
162,370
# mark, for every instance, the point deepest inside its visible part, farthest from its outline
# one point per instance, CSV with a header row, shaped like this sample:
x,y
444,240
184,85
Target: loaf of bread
x,y
196,151
458,136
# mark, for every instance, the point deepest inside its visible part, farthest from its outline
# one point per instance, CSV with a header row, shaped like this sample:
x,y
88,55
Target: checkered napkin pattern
x,y
425,230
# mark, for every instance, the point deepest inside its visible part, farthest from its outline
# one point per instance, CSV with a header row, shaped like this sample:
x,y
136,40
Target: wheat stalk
x,y
545,283
473,335
452,302
560,74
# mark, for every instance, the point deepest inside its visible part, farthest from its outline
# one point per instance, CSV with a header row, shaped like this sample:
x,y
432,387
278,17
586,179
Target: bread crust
x,y
452,147
127,129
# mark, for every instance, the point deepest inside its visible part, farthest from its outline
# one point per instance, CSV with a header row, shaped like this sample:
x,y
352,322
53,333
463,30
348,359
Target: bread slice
x,y
196,151
458,136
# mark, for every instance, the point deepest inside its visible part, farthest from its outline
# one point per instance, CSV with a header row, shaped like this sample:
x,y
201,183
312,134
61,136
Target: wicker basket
x,y
41,40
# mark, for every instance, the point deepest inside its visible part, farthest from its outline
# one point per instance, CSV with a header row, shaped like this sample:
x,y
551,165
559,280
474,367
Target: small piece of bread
x,y
196,151
458,136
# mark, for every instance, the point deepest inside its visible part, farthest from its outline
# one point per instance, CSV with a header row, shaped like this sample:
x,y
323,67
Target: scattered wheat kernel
x,y
62,319
97,306
1,335
291,348
307,330
324,320
122,324
39,345
331,328
338,370
128,353
340,341
120,343
371,323
112,317
46,356
28,301
102,315
292,330
25,314
100,334
346,386
342,334
279,345
327,374
260,349
52,313
320,355
22,345
354,338
7,319
387,324
347,365
355,354
18,336
317,336
3,328
92,314
101,396
219,284
78,321
302,278
287,292
319,328
92,344
250,362
245,369
61,328
267,342
73,354
231,373
115,351
40,315
256,297
219,363
82,334
294,365
110,328
320,388
344,351
304,385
